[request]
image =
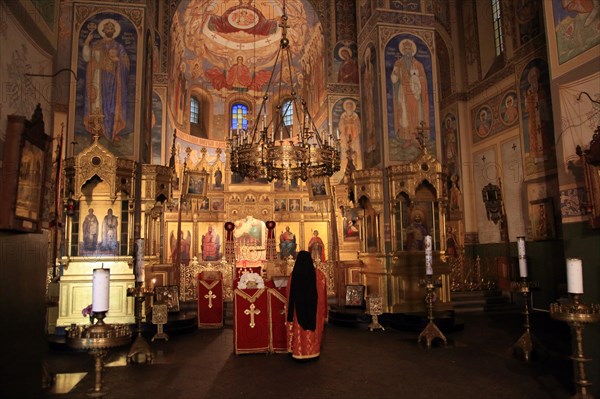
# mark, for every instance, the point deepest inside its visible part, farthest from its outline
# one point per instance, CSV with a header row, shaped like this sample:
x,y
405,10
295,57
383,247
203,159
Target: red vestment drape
x,y
210,302
306,344
251,321
277,311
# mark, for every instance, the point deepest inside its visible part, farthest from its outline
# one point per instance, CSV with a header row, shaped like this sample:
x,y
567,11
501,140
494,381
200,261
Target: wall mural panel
x,y
409,82
536,115
157,128
371,125
346,121
575,27
498,114
106,93
485,170
345,63
512,185
451,159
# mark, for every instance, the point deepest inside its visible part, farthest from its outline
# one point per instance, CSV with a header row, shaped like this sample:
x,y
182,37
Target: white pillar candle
x,y
428,256
522,257
574,276
139,260
100,290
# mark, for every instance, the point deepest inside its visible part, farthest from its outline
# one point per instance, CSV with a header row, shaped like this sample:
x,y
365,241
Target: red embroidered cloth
x,y
210,300
251,321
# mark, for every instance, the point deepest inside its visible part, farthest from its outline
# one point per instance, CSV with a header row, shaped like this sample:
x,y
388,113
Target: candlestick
x,y
428,256
574,276
100,290
522,257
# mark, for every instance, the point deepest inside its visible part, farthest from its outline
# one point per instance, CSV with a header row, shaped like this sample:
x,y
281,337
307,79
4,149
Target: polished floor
x,y
477,362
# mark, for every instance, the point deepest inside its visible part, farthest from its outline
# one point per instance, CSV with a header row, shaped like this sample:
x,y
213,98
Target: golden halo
x,y
413,47
104,22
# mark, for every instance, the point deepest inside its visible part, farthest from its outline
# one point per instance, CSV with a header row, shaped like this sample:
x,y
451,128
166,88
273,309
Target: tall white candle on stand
x,y
100,290
428,256
522,257
574,276
139,260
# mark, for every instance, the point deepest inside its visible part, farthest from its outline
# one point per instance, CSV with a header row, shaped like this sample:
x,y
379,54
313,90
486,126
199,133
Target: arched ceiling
x,y
209,37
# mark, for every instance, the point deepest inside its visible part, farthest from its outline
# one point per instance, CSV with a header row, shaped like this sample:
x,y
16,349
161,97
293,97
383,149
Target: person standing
x,y
307,309
106,81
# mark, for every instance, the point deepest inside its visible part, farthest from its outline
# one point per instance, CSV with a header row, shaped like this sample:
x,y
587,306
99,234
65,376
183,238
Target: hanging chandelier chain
x,y
290,151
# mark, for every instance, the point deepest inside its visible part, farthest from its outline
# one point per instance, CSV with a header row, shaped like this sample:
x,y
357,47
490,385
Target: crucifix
x,y
210,296
252,312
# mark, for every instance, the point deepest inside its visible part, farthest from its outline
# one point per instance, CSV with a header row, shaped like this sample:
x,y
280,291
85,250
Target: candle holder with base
x,y
431,330
577,315
97,339
375,308
525,342
140,351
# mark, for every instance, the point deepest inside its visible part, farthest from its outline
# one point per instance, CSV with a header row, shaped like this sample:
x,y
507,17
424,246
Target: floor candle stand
x,y
140,351
97,339
577,315
525,342
431,330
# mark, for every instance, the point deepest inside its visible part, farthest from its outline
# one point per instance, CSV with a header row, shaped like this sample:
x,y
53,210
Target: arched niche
x,y
415,217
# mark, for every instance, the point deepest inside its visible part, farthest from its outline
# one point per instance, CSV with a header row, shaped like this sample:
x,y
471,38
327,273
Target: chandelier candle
x,y
522,257
100,290
428,256
574,276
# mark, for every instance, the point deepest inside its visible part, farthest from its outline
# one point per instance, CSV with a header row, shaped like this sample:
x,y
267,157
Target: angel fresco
x,y
185,243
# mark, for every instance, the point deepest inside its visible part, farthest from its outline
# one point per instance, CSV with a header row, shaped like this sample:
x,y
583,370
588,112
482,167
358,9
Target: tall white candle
x,y
522,257
428,256
100,290
574,276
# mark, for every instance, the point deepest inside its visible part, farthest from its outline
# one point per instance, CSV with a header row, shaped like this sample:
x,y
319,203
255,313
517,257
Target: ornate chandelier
x,y
279,150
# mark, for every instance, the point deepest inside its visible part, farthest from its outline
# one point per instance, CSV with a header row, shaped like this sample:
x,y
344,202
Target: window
x,y
239,116
497,19
287,113
194,110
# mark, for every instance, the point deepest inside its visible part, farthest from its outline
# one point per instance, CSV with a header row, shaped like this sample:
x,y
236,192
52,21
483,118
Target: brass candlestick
x,y
140,351
525,342
577,315
431,330
98,338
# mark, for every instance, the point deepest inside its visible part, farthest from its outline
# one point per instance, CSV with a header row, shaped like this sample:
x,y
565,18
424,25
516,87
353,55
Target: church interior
x,y
164,162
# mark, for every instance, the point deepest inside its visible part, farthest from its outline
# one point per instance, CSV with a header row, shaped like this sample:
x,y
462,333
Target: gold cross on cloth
x,y
210,296
252,312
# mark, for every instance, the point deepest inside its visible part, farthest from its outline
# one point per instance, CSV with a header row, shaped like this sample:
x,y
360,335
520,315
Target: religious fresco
x,y
157,125
345,116
409,82
106,94
451,158
371,123
527,16
345,62
536,117
575,26
496,115
316,240
572,204
512,186
230,48
185,242
21,93
406,5
579,119
211,243
364,8
100,229
486,169
288,239
444,66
